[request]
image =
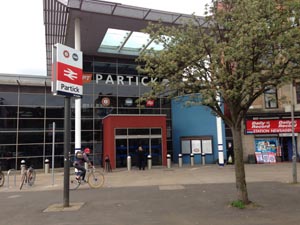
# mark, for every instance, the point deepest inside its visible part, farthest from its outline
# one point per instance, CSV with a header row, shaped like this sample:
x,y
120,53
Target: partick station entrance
x,y
123,133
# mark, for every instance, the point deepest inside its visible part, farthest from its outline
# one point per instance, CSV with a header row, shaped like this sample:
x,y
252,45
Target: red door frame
x,y
111,122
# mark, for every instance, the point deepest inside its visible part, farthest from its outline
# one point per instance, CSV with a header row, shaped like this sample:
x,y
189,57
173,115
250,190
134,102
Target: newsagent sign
x,y
66,71
271,126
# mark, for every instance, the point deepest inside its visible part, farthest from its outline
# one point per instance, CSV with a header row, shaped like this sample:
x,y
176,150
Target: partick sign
x,y
66,71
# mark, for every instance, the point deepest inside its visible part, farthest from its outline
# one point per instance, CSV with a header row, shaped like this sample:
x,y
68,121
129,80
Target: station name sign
x,y
271,126
109,79
66,71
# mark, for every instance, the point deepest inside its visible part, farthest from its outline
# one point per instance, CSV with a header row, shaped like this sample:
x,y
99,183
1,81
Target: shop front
x,y
273,139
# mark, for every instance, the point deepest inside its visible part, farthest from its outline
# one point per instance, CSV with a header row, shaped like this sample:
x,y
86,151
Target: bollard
x,y
149,162
23,165
86,165
192,159
179,160
168,161
129,163
47,168
203,158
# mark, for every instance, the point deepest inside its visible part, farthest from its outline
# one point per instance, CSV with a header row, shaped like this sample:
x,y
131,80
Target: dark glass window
x,y
32,89
55,112
138,131
31,124
10,111
30,150
121,131
54,100
31,137
7,138
98,124
150,111
155,131
59,124
298,92
59,136
32,99
271,100
87,124
8,124
128,111
7,98
31,112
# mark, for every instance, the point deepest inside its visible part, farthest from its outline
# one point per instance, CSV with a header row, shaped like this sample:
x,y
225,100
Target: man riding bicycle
x,y
80,158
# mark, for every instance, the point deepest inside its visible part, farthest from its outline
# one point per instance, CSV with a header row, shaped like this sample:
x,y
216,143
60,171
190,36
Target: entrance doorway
x,y
287,148
128,147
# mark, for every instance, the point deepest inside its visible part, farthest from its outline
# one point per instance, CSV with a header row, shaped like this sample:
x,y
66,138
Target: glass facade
x,y
28,111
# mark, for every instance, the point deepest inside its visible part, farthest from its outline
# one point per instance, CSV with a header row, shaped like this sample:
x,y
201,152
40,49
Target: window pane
x,y
29,124
270,98
298,92
8,138
185,147
31,137
121,131
138,131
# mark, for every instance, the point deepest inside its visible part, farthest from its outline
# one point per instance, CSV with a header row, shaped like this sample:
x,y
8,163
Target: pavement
x,y
183,196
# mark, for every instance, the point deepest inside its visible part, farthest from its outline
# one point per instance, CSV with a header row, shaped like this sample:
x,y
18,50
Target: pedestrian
x,y
141,158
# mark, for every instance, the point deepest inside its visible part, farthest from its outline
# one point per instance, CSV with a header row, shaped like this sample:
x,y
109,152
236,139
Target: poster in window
x,y
265,150
196,146
207,146
185,147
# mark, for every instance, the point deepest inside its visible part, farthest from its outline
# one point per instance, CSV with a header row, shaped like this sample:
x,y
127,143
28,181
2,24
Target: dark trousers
x,y
141,163
82,170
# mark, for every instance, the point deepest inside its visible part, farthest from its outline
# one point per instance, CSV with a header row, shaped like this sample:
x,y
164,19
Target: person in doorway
x,y
141,158
80,158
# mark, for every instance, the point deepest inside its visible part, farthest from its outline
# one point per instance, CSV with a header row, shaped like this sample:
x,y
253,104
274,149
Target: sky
x,y
22,39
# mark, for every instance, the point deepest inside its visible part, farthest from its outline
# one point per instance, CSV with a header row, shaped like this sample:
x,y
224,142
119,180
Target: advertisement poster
x,y
265,150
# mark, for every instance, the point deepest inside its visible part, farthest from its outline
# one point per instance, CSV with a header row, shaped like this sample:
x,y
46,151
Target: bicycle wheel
x,y
31,175
22,180
73,184
2,178
95,179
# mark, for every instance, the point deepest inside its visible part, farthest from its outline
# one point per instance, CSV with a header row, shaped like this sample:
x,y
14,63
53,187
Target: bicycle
x,y
2,178
28,177
94,178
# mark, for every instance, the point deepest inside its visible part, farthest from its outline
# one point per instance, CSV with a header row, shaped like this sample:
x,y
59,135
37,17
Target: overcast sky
x,y
22,40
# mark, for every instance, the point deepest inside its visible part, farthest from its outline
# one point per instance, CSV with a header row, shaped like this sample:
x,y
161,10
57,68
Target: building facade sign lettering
x,y
271,126
120,80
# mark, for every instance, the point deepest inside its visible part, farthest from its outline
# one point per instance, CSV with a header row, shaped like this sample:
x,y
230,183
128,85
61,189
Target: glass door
x,y
121,153
156,151
133,146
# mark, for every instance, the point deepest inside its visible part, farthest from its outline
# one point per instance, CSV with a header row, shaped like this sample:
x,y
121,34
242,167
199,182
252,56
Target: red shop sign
x,y
271,126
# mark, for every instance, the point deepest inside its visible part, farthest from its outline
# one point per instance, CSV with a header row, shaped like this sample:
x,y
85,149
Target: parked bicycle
x,y
28,177
2,177
94,178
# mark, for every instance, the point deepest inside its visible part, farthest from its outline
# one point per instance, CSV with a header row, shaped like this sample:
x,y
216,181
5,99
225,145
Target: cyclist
x,y
80,158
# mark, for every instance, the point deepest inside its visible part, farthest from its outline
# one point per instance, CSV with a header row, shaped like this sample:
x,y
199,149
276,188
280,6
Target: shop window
x,y
196,145
298,92
270,96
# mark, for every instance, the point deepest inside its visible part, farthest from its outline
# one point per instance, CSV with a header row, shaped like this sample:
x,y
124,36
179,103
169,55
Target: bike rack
x,y
8,174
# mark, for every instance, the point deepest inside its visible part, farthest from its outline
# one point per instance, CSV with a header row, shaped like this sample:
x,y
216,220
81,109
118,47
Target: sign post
x,y
66,81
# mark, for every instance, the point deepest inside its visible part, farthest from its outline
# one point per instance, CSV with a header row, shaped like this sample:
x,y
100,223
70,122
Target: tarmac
x,y
184,196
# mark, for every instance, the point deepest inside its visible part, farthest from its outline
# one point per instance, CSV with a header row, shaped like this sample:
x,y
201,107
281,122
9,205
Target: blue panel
x,y
194,121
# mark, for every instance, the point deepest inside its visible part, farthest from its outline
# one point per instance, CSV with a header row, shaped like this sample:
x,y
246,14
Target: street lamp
x,y
294,158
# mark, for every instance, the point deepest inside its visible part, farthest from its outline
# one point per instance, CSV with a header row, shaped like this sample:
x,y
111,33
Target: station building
x,y
112,123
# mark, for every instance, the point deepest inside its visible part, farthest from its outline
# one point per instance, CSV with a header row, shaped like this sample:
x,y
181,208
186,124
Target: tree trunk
x,y
240,176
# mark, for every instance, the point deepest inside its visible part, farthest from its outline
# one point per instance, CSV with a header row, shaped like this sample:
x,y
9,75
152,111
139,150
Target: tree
x,y
234,55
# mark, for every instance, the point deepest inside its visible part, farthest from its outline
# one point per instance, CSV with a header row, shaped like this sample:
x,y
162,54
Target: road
x,y
183,196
